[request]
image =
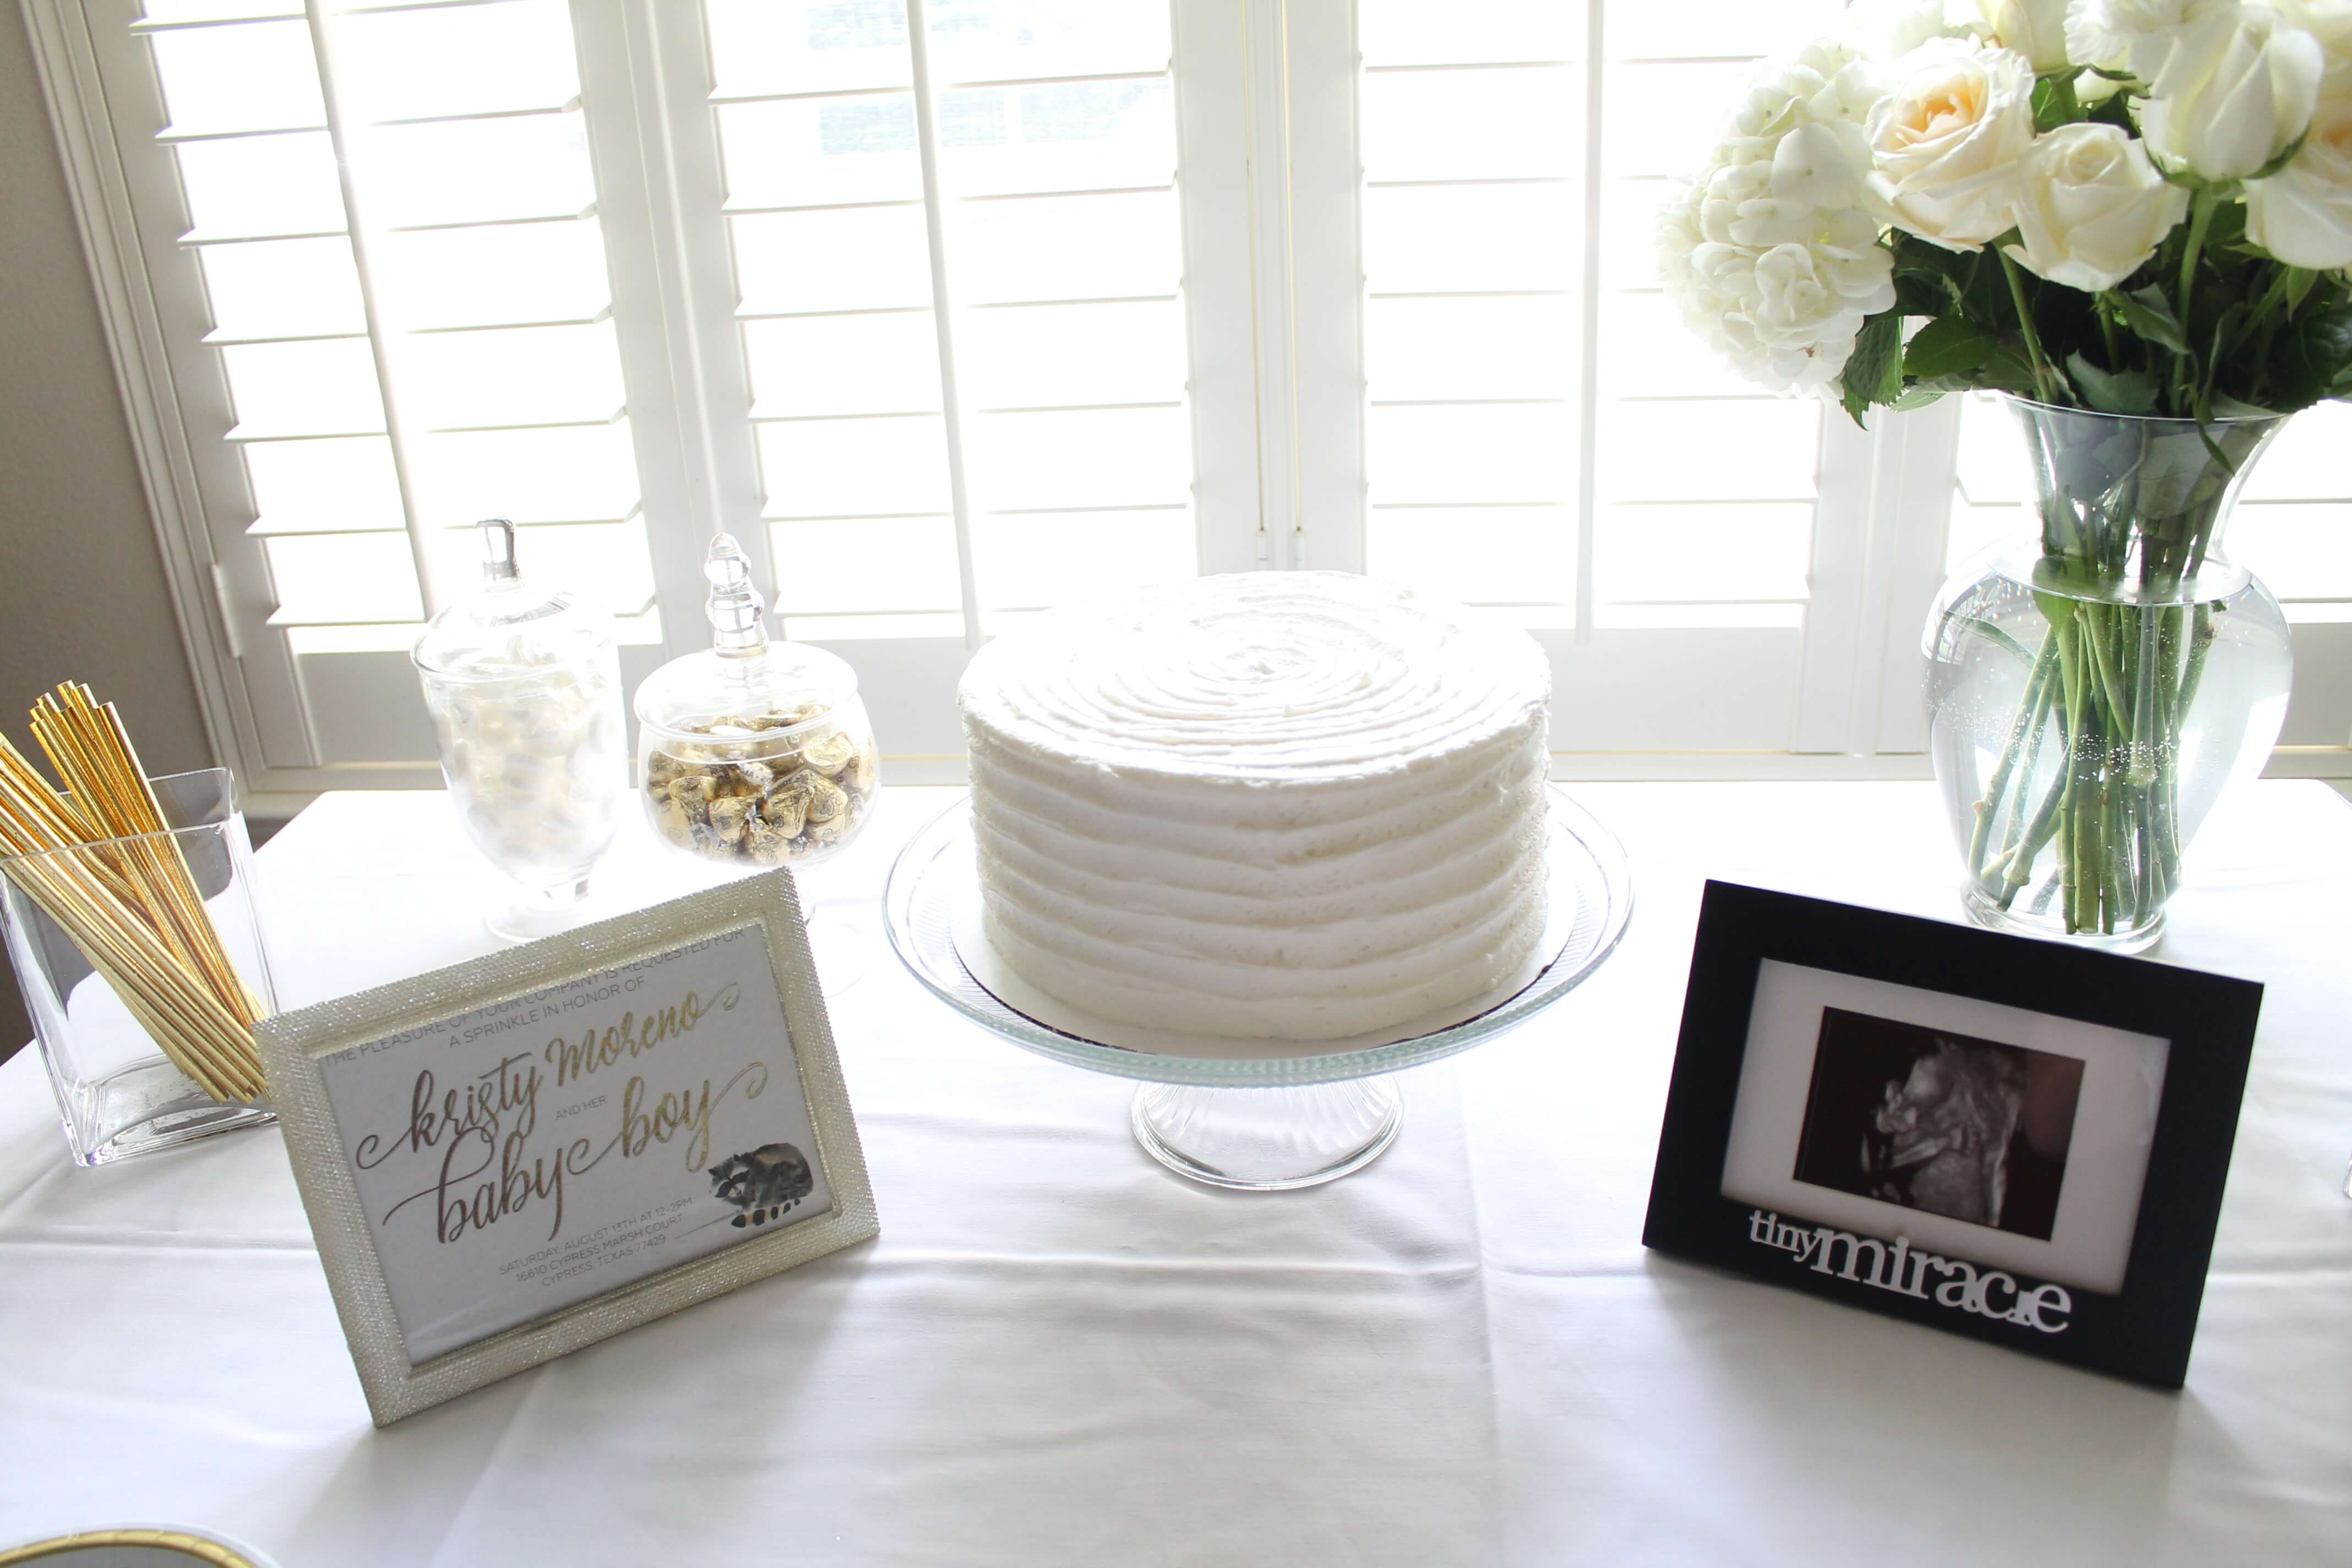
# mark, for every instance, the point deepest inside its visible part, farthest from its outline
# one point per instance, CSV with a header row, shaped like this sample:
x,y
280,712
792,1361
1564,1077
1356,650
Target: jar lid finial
x,y
499,569
734,605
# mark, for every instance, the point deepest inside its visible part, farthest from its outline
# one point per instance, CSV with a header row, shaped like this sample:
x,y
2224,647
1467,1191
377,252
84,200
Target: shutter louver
x,y
483,291
1055,165
1697,511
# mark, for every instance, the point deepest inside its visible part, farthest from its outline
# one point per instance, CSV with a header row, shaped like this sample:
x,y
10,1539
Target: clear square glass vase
x,y
118,1093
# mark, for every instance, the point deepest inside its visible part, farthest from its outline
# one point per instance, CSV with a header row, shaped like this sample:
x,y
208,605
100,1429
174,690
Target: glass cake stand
x,y
1280,1114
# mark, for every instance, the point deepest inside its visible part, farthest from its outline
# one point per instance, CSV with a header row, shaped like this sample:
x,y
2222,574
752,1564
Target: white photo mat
x,y
2106,1160
512,1157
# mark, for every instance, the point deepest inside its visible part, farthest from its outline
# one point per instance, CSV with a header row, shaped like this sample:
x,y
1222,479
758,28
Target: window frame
x,y
1265,98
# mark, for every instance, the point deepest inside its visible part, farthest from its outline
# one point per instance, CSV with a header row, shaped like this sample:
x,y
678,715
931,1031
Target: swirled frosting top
x,y
1260,675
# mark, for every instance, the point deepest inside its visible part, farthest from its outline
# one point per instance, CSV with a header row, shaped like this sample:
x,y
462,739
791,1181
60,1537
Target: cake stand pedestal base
x,y
1264,1139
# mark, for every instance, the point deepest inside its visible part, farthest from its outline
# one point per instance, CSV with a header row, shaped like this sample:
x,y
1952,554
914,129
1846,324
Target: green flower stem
x,y
2037,726
2070,815
2053,389
2098,624
2088,857
2125,677
2164,809
2111,872
2016,868
2200,640
2273,294
2106,319
2201,207
2029,706
2144,708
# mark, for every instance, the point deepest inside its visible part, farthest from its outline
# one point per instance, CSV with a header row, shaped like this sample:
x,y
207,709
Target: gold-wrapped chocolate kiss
x,y
752,752
771,788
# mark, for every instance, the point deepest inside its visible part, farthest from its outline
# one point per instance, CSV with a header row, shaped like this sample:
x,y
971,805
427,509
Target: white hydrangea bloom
x,y
1772,252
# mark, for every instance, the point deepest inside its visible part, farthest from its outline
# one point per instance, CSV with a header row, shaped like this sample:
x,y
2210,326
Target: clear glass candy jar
x,y
524,687
753,754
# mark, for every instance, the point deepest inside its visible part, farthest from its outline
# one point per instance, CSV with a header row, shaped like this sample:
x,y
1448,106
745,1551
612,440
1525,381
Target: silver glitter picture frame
x,y
293,1046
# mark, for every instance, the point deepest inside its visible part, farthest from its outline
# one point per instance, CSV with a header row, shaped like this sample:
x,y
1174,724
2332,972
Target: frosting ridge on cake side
x,y
1281,805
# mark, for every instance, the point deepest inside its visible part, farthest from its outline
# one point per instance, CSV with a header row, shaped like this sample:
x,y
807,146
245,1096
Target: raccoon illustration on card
x,y
763,1183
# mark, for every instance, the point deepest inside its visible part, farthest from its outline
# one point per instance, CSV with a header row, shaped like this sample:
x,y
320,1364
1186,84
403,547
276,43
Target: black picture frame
x,y
2141,1330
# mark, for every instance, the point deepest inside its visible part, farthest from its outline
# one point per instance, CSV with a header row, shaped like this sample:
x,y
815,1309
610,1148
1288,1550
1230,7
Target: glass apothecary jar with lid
x,y
524,687
753,754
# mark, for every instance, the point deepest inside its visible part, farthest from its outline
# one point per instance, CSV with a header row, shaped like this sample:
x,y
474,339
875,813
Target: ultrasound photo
x,y
1930,1120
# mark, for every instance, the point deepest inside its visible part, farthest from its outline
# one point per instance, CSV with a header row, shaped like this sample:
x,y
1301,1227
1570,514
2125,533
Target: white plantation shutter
x,y
382,294
895,292
955,310
959,272
1709,565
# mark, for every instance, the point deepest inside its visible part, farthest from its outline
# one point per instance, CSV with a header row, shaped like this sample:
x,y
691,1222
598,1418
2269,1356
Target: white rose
x,y
2122,34
2235,89
2035,29
2091,206
2330,21
1947,138
2303,215
1883,31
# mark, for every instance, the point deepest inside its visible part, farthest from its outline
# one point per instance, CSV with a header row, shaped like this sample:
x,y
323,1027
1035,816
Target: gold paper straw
x,y
130,903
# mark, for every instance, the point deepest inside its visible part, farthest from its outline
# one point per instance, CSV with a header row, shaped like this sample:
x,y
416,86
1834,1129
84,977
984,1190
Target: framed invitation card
x,y
2015,1140
513,1158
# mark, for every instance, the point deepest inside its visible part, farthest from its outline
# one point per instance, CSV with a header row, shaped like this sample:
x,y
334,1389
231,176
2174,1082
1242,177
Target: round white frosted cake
x,y
1290,806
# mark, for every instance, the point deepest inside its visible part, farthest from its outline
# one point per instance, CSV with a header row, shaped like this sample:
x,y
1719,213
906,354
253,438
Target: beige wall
x,y
82,591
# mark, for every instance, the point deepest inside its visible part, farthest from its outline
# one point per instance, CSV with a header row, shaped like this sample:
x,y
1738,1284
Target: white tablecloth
x,y
1059,1352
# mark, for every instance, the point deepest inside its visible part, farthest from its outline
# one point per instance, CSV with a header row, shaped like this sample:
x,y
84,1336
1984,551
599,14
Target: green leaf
x,y
2007,369
1919,397
1931,280
2054,102
1949,345
2226,330
2227,226
2314,357
1922,293
1874,372
2112,392
2149,313
2114,110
